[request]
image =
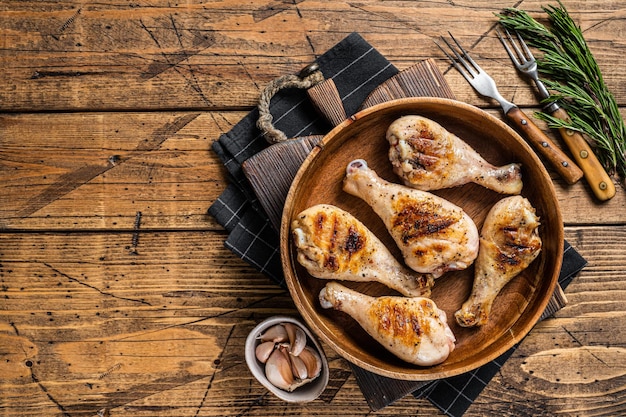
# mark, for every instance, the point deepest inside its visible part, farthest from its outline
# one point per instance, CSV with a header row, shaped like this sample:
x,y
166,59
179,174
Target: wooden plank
x,y
572,349
88,325
271,172
96,171
420,80
199,55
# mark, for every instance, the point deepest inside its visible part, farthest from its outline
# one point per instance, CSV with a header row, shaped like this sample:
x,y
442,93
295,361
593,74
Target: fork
x,y
485,85
594,172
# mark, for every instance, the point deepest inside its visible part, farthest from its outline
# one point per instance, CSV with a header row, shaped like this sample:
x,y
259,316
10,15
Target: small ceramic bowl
x,y
305,393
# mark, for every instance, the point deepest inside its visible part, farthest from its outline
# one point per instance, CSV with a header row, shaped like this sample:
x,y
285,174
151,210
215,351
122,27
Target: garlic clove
x,y
290,328
297,338
278,370
298,367
264,350
276,333
312,361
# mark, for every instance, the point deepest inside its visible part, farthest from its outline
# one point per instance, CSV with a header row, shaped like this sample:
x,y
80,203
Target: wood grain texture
x,y
86,325
155,55
159,164
279,162
569,364
124,163
109,109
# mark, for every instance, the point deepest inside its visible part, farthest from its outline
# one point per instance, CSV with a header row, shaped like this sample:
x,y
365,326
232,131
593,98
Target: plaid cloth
x,y
356,68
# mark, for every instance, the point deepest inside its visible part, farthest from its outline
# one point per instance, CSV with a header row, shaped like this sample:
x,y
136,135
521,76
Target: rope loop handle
x,y
308,77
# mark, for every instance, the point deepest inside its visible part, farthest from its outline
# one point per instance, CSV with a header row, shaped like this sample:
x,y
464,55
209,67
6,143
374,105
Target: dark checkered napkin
x,y
356,68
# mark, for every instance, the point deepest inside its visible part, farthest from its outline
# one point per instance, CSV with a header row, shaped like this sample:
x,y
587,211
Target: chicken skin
x,y
509,242
428,157
433,234
413,329
333,244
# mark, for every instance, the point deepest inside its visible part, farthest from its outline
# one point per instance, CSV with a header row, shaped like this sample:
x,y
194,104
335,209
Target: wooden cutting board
x,y
272,170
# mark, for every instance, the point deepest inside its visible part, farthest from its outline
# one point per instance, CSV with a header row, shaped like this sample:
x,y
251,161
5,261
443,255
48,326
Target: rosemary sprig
x,y
575,82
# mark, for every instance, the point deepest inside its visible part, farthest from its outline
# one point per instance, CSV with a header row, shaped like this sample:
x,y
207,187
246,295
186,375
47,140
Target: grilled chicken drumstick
x,y
413,329
509,242
433,234
428,157
333,244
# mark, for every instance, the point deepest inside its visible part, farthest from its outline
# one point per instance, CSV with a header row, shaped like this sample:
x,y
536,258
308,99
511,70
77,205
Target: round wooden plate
x,y
519,305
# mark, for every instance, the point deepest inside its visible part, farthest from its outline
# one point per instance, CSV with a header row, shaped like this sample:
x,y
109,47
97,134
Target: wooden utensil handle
x,y
568,170
595,174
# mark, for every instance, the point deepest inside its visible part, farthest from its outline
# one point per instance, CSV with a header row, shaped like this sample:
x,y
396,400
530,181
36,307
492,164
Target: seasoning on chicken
x,y
509,242
413,329
428,157
333,244
433,234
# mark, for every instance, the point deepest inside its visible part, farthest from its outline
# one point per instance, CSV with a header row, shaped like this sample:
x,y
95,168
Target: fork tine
x,y
452,60
465,57
507,48
444,51
460,63
529,54
526,55
519,52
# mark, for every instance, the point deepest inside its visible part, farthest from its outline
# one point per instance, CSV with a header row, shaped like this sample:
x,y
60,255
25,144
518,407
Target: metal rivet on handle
x,y
603,185
584,154
308,70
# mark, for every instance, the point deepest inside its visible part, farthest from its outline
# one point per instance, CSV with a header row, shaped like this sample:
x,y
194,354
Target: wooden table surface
x,y
117,296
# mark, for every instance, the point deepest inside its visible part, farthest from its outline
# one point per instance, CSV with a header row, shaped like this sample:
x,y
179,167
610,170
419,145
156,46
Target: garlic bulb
x,y
289,361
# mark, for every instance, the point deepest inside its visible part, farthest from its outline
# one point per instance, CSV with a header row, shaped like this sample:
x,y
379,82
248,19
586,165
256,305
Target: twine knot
x,y
308,77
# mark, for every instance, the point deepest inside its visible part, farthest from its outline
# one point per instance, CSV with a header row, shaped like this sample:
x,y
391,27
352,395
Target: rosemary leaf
x,y
575,81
